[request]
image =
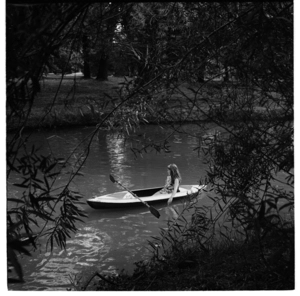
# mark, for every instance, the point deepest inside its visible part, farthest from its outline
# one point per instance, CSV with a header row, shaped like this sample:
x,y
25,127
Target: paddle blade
x,y
112,179
154,212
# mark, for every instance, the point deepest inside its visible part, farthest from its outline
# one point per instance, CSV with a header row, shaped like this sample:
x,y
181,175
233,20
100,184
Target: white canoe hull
x,y
120,200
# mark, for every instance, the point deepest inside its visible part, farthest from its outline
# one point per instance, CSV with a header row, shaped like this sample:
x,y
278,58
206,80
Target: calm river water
x,y
109,240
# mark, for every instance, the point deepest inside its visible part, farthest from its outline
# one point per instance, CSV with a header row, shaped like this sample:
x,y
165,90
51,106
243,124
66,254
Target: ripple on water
x,y
86,249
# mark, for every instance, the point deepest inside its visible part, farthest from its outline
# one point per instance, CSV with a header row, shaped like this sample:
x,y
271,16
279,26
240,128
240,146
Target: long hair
x,y
174,172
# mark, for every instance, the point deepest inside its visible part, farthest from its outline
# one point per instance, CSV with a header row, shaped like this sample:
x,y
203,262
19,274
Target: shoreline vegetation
x,y
79,102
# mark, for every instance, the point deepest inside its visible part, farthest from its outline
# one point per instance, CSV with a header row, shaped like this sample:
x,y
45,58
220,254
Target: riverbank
x,y
74,101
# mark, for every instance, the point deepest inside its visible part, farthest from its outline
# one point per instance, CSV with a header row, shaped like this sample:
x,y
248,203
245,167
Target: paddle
x,y
153,211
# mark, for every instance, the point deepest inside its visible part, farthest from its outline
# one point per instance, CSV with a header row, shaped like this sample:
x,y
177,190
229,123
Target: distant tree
x,y
86,57
98,37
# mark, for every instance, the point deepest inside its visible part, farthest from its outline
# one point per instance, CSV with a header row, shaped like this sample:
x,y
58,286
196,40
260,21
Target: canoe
x,y
125,199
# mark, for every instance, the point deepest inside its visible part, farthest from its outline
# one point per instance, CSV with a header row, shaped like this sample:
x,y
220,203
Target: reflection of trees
x,y
118,158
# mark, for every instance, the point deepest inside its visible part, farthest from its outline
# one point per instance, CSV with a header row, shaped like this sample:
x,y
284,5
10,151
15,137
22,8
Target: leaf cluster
x,y
30,212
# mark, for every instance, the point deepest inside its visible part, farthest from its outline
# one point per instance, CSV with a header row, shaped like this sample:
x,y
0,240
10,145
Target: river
x,y
109,240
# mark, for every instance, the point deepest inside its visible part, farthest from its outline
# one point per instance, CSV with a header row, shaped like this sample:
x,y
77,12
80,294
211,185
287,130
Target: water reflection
x,y
118,158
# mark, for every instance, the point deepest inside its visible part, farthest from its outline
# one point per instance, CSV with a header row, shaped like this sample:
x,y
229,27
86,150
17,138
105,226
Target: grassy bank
x,y
74,101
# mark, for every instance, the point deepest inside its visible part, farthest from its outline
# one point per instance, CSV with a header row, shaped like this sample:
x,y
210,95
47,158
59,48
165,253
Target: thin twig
x,y
101,277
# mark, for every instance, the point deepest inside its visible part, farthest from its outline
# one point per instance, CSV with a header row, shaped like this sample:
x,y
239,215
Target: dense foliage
x,y
237,59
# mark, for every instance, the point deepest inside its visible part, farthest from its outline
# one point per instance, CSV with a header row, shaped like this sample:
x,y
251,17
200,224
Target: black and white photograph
x,y
149,146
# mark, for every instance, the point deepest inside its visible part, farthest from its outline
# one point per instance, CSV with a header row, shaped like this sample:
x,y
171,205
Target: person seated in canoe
x,y
172,182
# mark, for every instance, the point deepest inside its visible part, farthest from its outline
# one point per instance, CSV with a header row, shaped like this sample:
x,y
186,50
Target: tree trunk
x,y
102,73
86,69
86,60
